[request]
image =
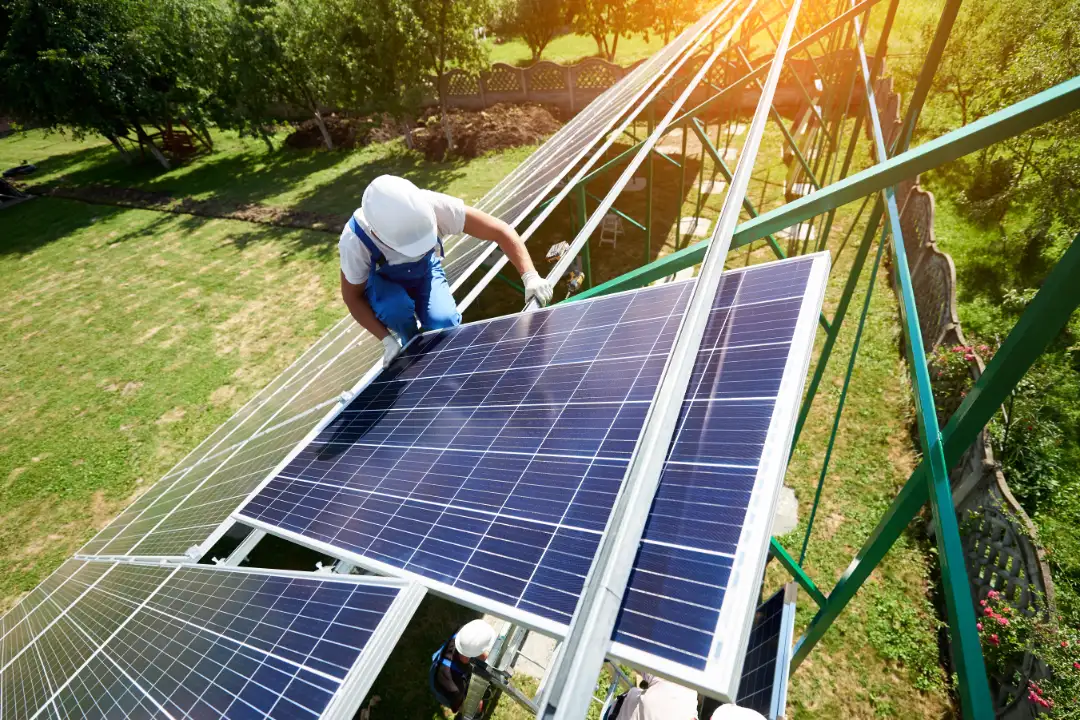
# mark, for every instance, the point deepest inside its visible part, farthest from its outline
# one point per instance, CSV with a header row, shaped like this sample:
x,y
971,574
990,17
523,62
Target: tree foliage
x,y
537,22
605,21
670,17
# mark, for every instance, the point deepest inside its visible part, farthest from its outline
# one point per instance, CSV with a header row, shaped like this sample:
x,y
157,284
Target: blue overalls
x,y
462,673
400,294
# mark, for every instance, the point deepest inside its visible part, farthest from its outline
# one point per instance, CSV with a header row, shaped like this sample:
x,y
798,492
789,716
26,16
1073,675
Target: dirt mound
x,y
345,132
497,128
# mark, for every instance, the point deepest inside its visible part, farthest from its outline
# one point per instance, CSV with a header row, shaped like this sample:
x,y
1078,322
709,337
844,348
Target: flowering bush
x,y
951,377
1007,635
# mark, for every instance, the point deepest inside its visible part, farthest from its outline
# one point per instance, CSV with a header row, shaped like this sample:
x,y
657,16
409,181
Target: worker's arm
x,y
485,227
360,308
481,225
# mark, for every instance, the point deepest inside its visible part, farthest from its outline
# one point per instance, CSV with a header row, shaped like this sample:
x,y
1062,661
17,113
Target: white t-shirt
x,y
663,700
355,258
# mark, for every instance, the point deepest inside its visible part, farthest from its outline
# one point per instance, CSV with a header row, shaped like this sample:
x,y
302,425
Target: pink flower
x,y
978,626
1076,665
1003,621
993,594
988,611
983,603
969,357
1064,643
994,639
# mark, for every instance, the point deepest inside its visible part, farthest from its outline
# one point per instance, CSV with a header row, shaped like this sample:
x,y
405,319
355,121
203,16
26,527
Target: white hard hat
x,y
474,639
400,215
734,712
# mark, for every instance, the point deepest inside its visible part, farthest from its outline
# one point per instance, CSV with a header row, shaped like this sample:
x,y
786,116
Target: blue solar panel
x,y
164,641
487,458
703,551
763,685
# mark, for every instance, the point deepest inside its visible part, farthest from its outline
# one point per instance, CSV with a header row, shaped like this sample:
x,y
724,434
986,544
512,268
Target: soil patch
x,y
499,127
345,132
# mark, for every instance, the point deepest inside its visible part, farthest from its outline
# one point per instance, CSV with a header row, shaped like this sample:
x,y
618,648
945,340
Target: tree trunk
x,y
119,148
614,45
323,131
445,119
144,140
406,131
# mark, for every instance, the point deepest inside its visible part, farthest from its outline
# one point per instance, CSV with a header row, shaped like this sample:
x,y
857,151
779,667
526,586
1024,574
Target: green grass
x,y
572,48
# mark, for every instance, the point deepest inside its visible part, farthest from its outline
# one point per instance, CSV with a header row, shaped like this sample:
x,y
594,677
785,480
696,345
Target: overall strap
x,y
377,257
442,250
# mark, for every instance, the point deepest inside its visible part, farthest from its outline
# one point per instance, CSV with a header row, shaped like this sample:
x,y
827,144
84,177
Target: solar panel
x,y
487,457
187,511
763,685
130,640
486,460
695,580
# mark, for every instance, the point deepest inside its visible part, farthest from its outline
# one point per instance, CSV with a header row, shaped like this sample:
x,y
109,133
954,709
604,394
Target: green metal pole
x,y
843,396
682,189
838,317
926,76
797,573
649,190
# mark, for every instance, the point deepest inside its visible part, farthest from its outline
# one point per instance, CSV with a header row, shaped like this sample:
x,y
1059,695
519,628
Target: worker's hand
x,y
391,348
536,288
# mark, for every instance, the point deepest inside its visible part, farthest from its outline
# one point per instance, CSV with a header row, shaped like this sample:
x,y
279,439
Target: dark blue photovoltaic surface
x,y
681,573
201,643
759,667
247,645
489,455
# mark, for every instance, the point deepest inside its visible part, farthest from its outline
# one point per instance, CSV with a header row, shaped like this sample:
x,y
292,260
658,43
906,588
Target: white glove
x,y
391,348
536,288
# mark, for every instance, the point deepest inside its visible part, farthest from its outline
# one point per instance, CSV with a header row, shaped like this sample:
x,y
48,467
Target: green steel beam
x,y
516,285
1042,321
1013,120
797,573
966,649
582,218
648,190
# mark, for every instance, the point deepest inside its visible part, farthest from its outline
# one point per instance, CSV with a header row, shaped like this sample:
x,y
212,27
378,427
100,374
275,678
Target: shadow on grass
x,y
33,224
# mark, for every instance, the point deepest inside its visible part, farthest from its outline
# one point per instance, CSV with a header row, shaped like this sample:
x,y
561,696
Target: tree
x,y
537,22
442,34
110,66
618,18
671,16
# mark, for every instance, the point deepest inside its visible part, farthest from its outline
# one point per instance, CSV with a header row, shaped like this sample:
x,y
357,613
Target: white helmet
x,y
474,639
400,215
734,712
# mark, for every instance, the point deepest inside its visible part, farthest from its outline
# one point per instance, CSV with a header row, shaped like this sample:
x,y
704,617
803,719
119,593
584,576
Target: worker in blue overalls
x,y
450,670
391,267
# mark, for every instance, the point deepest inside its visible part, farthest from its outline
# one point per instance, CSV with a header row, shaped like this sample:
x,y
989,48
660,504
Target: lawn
x,y
572,48
134,333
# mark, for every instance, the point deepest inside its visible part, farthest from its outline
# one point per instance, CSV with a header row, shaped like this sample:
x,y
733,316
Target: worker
x,y
391,267
450,670
657,699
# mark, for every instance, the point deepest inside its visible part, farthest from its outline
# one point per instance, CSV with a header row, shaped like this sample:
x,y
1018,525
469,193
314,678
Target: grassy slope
x,y
572,48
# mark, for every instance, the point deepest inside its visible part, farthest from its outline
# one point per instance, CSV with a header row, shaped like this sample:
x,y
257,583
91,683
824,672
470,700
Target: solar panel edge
x,y
725,659
721,675
471,600
785,650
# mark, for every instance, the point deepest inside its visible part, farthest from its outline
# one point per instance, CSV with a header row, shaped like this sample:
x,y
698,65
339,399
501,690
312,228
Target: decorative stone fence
x,y
998,536
571,87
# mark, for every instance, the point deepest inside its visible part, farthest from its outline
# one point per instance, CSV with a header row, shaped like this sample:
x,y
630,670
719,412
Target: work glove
x,y
536,288
391,348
